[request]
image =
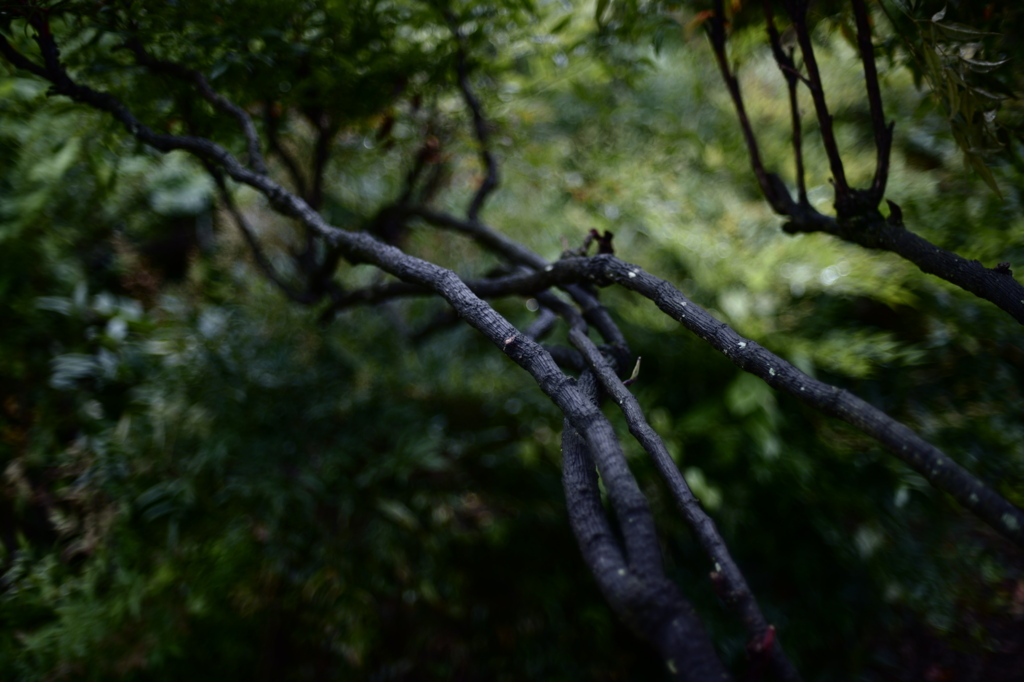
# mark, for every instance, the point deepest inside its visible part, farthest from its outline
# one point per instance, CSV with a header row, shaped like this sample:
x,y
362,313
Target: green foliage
x,y
201,480
965,65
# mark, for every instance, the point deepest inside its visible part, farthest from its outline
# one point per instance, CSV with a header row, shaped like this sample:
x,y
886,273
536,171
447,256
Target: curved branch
x,y
490,181
218,100
651,605
996,285
734,589
264,264
941,471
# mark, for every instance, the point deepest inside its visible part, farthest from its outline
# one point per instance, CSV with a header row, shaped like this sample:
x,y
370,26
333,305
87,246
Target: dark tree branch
x,y
797,10
733,586
772,188
996,285
219,101
632,579
514,285
792,75
325,132
516,253
858,219
490,181
941,471
542,326
654,606
264,264
883,131
650,604
270,124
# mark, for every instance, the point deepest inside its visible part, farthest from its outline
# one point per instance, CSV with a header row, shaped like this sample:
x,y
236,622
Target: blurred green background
x,y
202,480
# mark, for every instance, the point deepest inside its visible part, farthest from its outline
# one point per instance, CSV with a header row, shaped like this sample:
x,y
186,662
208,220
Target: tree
x,y
273,100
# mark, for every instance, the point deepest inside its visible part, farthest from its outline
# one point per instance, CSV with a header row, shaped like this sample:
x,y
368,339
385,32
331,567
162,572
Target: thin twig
x,y
793,77
252,240
270,125
797,10
883,131
218,100
490,181
772,188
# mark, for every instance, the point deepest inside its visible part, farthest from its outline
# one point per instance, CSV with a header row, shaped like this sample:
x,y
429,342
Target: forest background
x,y
211,472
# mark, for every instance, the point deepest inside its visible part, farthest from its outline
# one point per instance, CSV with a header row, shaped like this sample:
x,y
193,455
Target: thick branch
x,y
677,630
735,592
651,605
941,471
996,285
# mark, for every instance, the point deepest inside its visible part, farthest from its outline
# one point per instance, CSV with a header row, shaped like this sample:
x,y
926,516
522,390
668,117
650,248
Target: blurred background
x,y
202,478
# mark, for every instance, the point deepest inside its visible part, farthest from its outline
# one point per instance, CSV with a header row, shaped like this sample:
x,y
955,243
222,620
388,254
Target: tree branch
x,y
793,78
650,604
490,181
771,186
941,471
262,261
270,124
219,101
883,132
797,10
858,220
734,589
